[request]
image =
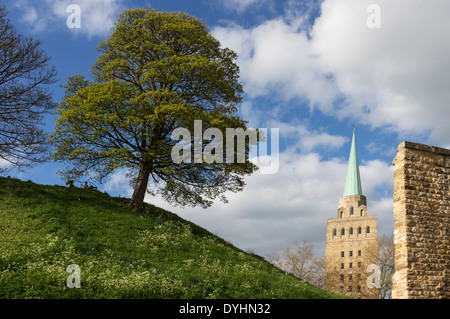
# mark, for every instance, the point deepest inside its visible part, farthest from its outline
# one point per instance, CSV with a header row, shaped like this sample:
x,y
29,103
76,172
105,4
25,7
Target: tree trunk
x,y
140,189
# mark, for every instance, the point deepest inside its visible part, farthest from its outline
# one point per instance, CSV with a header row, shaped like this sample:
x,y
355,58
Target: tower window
x,y
342,214
334,232
350,277
342,265
359,252
351,211
368,230
350,265
351,230
342,254
342,231
351,253
359,230
362,210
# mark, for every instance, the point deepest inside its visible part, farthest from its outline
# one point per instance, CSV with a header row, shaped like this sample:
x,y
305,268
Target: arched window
x,y
351,211
341,214
367,229
359,230
362,210
342,231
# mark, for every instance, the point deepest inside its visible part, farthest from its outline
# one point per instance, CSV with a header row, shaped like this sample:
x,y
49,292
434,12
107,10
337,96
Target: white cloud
x,y
97,17
303,140
376,176
30,15
4,165
296,133
275,57
308,141
119,183
241,5
394,77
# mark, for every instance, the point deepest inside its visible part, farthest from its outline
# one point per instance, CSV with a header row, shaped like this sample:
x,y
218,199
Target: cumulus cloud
x,y
275,57
295,133
4,165
395,75
241,5
392,77
304,140
118,183
97,17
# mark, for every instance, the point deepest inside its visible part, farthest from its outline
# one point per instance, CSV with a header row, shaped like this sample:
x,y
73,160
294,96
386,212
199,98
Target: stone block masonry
x,y
422,222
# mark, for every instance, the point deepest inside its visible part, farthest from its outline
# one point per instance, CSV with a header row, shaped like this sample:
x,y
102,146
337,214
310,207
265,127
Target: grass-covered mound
x,y
120,253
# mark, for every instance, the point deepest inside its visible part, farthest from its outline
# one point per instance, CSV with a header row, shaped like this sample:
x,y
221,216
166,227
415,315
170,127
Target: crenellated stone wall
x,y
422,222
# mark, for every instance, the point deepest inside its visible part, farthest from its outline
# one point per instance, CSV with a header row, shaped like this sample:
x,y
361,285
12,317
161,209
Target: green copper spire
x,y
353,182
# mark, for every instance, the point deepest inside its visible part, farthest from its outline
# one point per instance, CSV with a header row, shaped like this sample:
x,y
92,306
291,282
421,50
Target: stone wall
x,y
422,222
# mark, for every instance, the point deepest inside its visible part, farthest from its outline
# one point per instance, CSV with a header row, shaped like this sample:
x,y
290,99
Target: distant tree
x,y
300,262
386,262
24,71
156,72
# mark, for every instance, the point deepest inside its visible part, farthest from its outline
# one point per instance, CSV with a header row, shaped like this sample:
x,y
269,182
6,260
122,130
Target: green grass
x,y
122,254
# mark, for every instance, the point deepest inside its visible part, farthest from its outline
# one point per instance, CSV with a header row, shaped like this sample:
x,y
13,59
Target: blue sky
x,y
311,69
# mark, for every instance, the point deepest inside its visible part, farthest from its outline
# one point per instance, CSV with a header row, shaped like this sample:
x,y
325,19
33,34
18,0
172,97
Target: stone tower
x,y
351,239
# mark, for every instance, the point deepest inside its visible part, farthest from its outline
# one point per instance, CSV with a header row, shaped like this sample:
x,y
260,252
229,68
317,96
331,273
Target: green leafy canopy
x,y
156,72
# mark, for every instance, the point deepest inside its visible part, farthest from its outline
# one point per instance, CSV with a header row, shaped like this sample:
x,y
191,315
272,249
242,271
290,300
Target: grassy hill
x,y
122,254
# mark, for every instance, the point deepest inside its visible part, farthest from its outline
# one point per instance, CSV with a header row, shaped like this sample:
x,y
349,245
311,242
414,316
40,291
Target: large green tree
x,y
156,72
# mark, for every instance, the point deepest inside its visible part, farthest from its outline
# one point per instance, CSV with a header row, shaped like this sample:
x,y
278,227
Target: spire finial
x,y
354,127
